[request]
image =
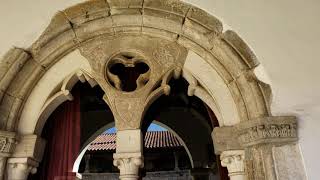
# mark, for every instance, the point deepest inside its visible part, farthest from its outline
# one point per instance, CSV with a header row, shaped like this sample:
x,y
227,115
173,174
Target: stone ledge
x,y
273,129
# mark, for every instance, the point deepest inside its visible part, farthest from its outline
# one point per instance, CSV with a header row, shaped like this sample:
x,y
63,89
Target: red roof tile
x,y
153,139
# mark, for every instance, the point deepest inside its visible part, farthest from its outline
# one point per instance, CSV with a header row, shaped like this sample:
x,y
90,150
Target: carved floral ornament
x,y
272,129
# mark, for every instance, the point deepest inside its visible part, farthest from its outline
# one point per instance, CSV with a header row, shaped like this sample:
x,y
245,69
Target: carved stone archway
x,y
172,38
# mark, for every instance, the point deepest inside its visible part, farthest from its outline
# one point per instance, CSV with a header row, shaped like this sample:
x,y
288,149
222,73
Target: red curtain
x,y
63,141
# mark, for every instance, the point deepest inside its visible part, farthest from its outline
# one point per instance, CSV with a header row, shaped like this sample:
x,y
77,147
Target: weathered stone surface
x,y
278,129
128,157
87,11
259,162
234,161
238,98
94,28
10,65
225,138
8,141
19,168
205,19
175,6
30,146
25,79
58,25
252,95
162,20
123,4
55,42
200,34
8,109
124,7
288,162
162,58
241,47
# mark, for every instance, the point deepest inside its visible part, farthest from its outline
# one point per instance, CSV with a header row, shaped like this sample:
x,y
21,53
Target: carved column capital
x,y
277,129
8,141
19,168
128,164
128,157
234,161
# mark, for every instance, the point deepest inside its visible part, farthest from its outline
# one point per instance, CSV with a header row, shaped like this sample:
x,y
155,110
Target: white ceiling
x,y
283,34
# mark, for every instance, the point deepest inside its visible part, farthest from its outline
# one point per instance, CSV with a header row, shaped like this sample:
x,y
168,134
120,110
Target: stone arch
x,y
182,23
187,27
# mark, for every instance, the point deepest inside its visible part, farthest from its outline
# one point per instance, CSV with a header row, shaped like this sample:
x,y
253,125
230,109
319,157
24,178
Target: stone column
x,y
269,143
8,141
234,161
19,168
128,157
25,158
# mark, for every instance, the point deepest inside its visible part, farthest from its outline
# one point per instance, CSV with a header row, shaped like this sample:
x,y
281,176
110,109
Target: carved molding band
x,y
277,129
8,141
266,130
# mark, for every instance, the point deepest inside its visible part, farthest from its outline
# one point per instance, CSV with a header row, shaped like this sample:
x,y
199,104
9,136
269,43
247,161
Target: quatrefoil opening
x,y
128,72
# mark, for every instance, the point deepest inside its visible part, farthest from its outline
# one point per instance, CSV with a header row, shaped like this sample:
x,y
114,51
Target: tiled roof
x,y
153,139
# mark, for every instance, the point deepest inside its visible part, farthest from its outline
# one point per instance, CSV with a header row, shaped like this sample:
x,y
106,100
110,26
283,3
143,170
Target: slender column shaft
x,y
19,168
128,157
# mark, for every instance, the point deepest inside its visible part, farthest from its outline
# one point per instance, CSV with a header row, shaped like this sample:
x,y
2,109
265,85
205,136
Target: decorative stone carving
x,y
128,157
268,129
158,59
225,138
30,146
19,168
8,141
128,164
127,71
234,161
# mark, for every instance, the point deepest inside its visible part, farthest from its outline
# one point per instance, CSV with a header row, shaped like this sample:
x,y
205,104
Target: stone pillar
x,y
8,141
269,142
25,158
128,157
19,168
234,161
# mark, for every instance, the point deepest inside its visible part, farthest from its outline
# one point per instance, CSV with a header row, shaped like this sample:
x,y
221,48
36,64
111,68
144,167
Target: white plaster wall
x,y
283,34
